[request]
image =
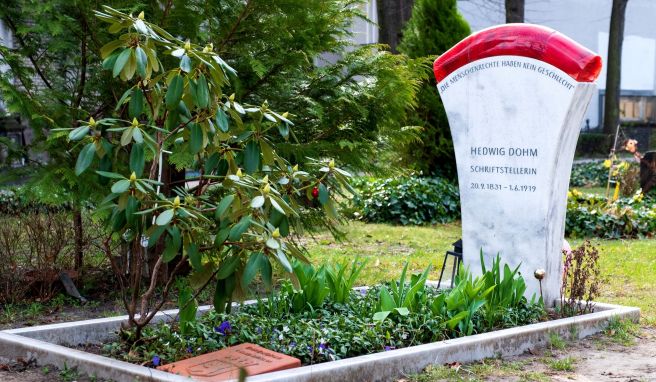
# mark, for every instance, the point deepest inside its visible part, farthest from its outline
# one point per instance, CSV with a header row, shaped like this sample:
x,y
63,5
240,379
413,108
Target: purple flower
x,y
292,344
190,350
224,328
388,348
363,292
310,348
156,361
322,346
259,330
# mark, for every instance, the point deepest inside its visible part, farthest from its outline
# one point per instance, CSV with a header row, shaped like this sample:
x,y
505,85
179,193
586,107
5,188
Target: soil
x,y
29,372
598,358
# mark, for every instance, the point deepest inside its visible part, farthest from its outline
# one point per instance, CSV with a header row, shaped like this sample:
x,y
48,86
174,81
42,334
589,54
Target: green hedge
x,y
407,200
593,144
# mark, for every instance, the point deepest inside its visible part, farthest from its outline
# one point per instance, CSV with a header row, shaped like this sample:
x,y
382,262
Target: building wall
x,y
588,21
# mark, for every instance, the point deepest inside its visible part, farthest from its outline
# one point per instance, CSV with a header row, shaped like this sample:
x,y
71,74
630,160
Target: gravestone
x,y
224,365
515,96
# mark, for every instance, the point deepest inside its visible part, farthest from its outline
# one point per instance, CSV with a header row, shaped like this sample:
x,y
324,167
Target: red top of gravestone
x,y
224,364
527,40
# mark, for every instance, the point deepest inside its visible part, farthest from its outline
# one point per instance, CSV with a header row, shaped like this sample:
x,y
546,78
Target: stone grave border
x,y
46,344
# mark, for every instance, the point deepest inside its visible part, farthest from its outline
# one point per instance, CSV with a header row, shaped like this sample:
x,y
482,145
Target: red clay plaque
x,y
224,364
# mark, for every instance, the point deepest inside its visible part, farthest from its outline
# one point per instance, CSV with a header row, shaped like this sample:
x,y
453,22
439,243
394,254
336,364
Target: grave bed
x,y
47,344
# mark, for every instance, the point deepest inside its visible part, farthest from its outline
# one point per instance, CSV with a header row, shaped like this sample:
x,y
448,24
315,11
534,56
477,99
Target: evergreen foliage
x,y
234,220
435,26
348,105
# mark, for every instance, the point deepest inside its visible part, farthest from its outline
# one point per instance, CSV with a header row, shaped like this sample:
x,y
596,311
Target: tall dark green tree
x,y
435,26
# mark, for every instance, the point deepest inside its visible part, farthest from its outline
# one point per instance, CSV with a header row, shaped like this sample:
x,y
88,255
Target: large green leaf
x,y
137,159
135,108
174,92
266,271
185,63
194,256
121,186
121,60
386,300
78,133
252,157
85,158
251,268
202,92
223,206
171,248
188,307
165,217
238,229
228,267
195,137
257,201
323,193
222,120
142,61
282,259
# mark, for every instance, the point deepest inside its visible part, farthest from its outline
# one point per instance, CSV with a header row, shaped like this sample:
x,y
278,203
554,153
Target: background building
x,y
588,22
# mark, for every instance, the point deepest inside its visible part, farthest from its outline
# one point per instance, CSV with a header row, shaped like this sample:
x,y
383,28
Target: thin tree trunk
x,y
392,16
78,233
514,11
613,67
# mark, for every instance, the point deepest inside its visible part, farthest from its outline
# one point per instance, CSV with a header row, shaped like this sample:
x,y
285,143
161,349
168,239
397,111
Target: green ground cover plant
x,y
590,215
407,200
320,330
589,174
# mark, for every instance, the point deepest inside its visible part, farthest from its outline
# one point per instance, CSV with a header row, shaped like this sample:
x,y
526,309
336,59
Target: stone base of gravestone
x,y
224,365
648,171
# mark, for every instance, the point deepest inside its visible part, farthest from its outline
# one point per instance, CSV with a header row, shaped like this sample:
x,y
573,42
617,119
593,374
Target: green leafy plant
x,y
340,282
595,216
508,290
404,298
461,303
407,200
245,200
589,174
313,288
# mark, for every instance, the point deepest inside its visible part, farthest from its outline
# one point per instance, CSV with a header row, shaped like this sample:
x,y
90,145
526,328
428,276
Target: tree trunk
x,y
514,11
78,234
613,67
392,16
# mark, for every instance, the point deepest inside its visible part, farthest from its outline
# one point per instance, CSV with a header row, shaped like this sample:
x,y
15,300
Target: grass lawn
x,y
629,265
387,248
600,191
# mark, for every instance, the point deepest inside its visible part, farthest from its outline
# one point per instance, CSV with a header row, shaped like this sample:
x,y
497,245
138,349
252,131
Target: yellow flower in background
x,y
616,194
607,163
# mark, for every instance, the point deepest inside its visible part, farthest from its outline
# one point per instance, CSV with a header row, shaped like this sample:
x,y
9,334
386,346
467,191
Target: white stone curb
x,y
38,344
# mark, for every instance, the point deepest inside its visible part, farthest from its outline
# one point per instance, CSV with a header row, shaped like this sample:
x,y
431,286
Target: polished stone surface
x,y
515,122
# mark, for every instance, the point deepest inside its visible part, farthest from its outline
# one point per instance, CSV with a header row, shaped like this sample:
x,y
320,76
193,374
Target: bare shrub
x,y
35,245
581,280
